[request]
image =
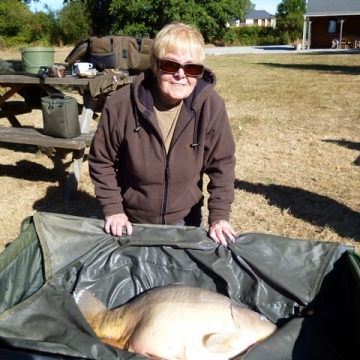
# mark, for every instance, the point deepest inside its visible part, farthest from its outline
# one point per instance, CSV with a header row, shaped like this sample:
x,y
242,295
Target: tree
x,y
73,23
289,18
147,17
79,18
16,23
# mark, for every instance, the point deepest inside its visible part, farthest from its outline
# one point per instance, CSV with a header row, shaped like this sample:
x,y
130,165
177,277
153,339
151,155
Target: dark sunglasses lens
x,y
169,66
193,69
173,66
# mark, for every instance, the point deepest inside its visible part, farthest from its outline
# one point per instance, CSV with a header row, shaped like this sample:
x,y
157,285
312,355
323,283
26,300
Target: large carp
x,y
177,322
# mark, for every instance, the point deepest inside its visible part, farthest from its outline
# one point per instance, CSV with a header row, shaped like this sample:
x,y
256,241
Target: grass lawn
x,y
296,122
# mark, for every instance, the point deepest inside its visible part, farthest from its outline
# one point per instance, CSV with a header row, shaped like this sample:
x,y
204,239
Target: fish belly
x,y
181,332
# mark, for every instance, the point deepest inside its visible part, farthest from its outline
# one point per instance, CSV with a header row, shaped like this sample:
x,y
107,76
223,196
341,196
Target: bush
x,y
256,35
2,43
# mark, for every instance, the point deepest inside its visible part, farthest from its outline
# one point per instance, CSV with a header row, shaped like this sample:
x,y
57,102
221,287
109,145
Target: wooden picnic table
x,y
18,82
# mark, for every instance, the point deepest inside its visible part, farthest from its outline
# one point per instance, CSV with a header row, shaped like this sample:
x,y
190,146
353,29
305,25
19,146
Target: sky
x,y
53,4
269,5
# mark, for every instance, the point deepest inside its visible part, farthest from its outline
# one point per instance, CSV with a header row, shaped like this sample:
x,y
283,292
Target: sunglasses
x,y
171,67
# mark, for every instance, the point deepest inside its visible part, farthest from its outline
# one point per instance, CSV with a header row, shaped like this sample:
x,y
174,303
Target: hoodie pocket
x,y
139,202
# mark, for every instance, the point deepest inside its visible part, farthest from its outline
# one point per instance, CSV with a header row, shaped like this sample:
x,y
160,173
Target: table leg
x,y
87,112
74,174
14,121
78,155
14,89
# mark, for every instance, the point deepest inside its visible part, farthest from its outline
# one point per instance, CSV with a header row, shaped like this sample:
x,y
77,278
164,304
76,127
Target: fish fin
x,y
88,304
220,343
243,317
112,342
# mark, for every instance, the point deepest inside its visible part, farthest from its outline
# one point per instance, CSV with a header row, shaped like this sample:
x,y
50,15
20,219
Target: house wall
x,y
259,22
321,38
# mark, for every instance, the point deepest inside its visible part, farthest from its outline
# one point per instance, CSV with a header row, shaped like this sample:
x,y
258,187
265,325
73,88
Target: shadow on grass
x,y
275,48
357,161
349,145
83,205
23,148
345,143
30,171
335,69
316,209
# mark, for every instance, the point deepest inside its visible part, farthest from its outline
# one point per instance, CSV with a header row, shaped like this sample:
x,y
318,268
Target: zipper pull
x,y
51,104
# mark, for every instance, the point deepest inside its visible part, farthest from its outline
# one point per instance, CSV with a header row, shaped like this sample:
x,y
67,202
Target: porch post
x,y
341,30
304,33
309,34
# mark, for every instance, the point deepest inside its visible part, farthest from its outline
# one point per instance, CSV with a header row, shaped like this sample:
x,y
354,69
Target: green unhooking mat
x,y
310,289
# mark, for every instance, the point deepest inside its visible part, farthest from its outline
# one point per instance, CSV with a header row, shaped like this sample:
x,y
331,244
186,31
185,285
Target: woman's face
x,y
175,87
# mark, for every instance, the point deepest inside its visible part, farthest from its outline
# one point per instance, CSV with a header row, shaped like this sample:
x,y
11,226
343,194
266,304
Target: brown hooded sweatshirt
x,y
133,173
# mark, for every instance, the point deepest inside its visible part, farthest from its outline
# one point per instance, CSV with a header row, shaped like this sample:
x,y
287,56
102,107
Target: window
x,y
332,26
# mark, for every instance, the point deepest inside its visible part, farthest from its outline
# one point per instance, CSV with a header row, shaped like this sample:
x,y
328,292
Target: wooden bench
x,y
30,136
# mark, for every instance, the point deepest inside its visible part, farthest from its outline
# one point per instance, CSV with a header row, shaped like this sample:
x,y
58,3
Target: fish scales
x,y
177,322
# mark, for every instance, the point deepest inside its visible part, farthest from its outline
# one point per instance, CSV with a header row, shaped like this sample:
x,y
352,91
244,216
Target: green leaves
x,y
147,17
80,18
289,17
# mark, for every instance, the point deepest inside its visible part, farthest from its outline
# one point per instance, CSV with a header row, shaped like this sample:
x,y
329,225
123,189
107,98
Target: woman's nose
x,y
180,73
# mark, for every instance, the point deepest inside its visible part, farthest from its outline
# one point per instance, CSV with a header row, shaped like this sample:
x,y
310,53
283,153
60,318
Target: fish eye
x,y
263,318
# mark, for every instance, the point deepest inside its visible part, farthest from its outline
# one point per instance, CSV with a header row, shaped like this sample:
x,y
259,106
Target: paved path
x,y
277,49
222,50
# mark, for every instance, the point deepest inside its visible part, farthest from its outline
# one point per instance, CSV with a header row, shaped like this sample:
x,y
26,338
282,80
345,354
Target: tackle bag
x,y
60,116
118,52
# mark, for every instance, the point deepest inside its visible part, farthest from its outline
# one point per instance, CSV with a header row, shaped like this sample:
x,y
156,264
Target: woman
x,y
157,138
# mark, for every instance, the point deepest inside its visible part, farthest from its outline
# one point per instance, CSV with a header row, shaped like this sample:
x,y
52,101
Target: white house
x,y
260,18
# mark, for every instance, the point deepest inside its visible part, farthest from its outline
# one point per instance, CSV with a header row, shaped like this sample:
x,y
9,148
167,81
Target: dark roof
x,y
258,14
332,7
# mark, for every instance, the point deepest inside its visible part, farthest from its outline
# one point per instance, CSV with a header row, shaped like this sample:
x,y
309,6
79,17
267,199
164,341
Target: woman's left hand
x,y
220,228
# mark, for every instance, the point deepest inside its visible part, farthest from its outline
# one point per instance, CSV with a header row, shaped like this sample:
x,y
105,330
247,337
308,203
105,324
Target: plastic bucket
x,y
33,58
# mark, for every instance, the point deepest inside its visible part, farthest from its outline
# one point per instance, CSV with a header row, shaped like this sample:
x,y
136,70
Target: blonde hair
x,y
179,38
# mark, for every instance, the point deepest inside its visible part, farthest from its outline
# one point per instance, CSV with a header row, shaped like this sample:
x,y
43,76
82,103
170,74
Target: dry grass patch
x,y
296,120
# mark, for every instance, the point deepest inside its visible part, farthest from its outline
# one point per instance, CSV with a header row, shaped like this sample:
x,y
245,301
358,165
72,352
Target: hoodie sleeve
x,y
103,164
219,162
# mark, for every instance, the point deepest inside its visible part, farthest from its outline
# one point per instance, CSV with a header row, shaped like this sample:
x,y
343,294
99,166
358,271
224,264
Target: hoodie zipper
x,y
166,189
167,156
167,169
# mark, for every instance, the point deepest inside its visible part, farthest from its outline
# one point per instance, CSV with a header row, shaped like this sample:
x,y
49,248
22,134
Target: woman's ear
x,y
153,64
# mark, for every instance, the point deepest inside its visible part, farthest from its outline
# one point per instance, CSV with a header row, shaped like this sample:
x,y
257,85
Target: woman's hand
x,y
220,228
114,224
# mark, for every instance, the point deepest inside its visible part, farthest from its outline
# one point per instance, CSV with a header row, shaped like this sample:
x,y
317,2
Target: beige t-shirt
x,y
167,116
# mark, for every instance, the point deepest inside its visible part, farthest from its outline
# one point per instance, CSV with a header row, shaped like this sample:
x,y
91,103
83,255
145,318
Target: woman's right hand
x,y
114,225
